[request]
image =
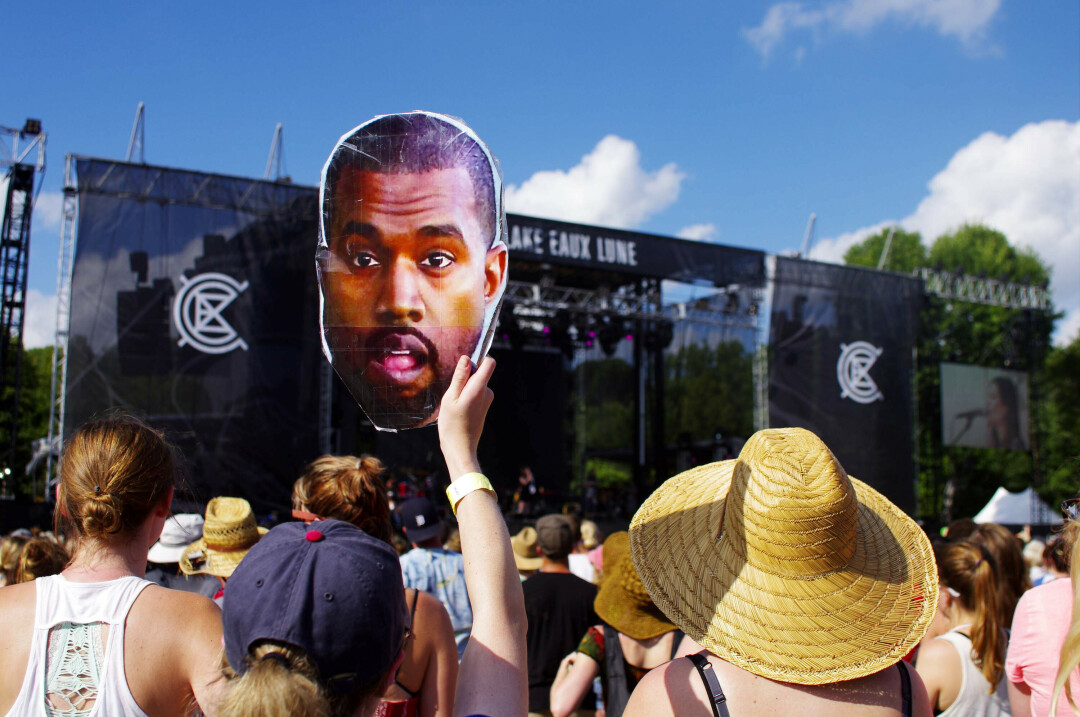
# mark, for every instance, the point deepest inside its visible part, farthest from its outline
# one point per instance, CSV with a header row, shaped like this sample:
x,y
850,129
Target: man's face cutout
x,y
411,261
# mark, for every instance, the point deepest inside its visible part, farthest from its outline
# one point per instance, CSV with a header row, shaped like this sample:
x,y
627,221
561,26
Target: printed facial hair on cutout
x,y
411,259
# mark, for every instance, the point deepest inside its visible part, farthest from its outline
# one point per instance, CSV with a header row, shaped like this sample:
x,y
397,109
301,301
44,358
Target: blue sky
x,y
728,122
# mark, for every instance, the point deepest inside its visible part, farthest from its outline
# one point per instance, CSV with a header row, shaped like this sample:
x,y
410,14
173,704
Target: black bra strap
x,y
712,685
905,689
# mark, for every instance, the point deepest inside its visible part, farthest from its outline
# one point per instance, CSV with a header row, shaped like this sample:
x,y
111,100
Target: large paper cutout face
x,y
412,261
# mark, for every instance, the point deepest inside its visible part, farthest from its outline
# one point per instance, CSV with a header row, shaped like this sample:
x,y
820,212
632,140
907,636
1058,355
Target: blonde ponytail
x,y
280,681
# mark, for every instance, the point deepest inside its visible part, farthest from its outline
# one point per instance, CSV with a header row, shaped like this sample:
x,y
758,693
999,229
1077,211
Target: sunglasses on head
x,y
1071,508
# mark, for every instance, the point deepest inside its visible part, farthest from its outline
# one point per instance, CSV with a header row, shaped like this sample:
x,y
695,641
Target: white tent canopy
x,y
1020,508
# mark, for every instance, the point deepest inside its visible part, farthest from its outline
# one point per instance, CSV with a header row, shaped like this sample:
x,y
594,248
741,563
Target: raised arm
x,y
493,679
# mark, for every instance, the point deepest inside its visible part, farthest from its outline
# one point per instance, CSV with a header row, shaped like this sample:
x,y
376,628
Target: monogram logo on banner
x,y
853,372
197,313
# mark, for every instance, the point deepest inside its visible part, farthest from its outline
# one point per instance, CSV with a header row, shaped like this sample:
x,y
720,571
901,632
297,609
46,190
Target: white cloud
x,y
698,232
1025,186
833,249
608,187
39,321
47,209
780,19
966,20
1068,329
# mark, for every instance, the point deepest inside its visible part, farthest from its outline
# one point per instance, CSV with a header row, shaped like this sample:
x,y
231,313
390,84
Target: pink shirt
x,y
1039,625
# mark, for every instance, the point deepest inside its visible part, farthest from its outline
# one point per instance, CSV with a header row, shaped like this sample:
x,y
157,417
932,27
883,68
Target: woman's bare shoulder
x,y
665,690
182,615
430,611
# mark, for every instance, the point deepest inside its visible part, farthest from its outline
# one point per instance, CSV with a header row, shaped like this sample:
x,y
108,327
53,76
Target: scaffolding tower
x,y
22,159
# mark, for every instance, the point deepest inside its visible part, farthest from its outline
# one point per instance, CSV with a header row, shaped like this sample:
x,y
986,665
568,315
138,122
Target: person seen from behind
x,y
10,547
633,638
315,618
98,638
433,569
805,586
963,669
229,532
40,557
349,488
1008,554
1068,673
1043,618
559,606
163,560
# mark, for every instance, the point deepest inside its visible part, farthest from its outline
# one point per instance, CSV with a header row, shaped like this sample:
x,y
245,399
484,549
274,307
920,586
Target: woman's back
x,y
647,654
429,670
171,643
115,492
677,689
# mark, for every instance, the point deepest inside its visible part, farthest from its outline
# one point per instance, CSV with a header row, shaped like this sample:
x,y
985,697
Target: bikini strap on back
x,y
712,685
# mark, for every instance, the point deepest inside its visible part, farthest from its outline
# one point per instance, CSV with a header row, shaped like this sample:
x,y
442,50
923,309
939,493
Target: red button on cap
x,y
314,535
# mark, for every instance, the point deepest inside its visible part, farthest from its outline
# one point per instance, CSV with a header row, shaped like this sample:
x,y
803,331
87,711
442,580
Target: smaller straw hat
x,y
229,531
526,546
622,600
781,564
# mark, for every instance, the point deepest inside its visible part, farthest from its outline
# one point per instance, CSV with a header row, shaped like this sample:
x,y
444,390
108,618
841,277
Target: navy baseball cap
x,y
328,588
420,520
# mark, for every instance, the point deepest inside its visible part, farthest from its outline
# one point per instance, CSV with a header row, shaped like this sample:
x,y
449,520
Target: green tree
x,y
906,252
708,389
965,332
33,420
1061,463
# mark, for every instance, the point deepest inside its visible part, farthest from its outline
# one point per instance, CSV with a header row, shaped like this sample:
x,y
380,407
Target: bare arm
x,y
1019,699
493,678
934,663
203,625
440,676
574,678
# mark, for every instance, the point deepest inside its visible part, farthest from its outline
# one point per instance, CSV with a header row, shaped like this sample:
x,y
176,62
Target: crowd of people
x,y
768,583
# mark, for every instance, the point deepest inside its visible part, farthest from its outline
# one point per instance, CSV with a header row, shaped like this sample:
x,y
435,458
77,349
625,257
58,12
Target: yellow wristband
x,y
467,484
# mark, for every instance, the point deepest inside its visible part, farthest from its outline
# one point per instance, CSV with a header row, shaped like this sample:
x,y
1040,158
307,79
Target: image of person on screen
x,y
1003,415
411,261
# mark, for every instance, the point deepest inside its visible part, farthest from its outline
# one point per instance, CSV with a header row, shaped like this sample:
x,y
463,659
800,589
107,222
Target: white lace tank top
x,y
76,666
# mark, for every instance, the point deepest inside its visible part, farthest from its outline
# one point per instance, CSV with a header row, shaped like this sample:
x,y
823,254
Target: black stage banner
x,y
193,305
842,343
619,251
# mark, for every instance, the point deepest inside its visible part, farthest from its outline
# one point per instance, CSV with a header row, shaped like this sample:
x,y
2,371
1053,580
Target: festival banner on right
x,y
984,407
842,343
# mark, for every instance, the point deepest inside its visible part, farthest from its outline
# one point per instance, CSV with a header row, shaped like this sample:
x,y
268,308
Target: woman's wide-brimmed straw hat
x,y
228,534
783,565
622,601
526,545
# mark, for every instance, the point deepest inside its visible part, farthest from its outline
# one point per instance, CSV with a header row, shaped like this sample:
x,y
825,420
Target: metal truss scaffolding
x,y
63,319
979,290
22,158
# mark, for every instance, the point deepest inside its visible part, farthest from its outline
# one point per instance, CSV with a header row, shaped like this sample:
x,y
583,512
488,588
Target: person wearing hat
x,y
526,552
229,532
350,489
634,638
163,560
559,606
316,621
805,586
434,569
